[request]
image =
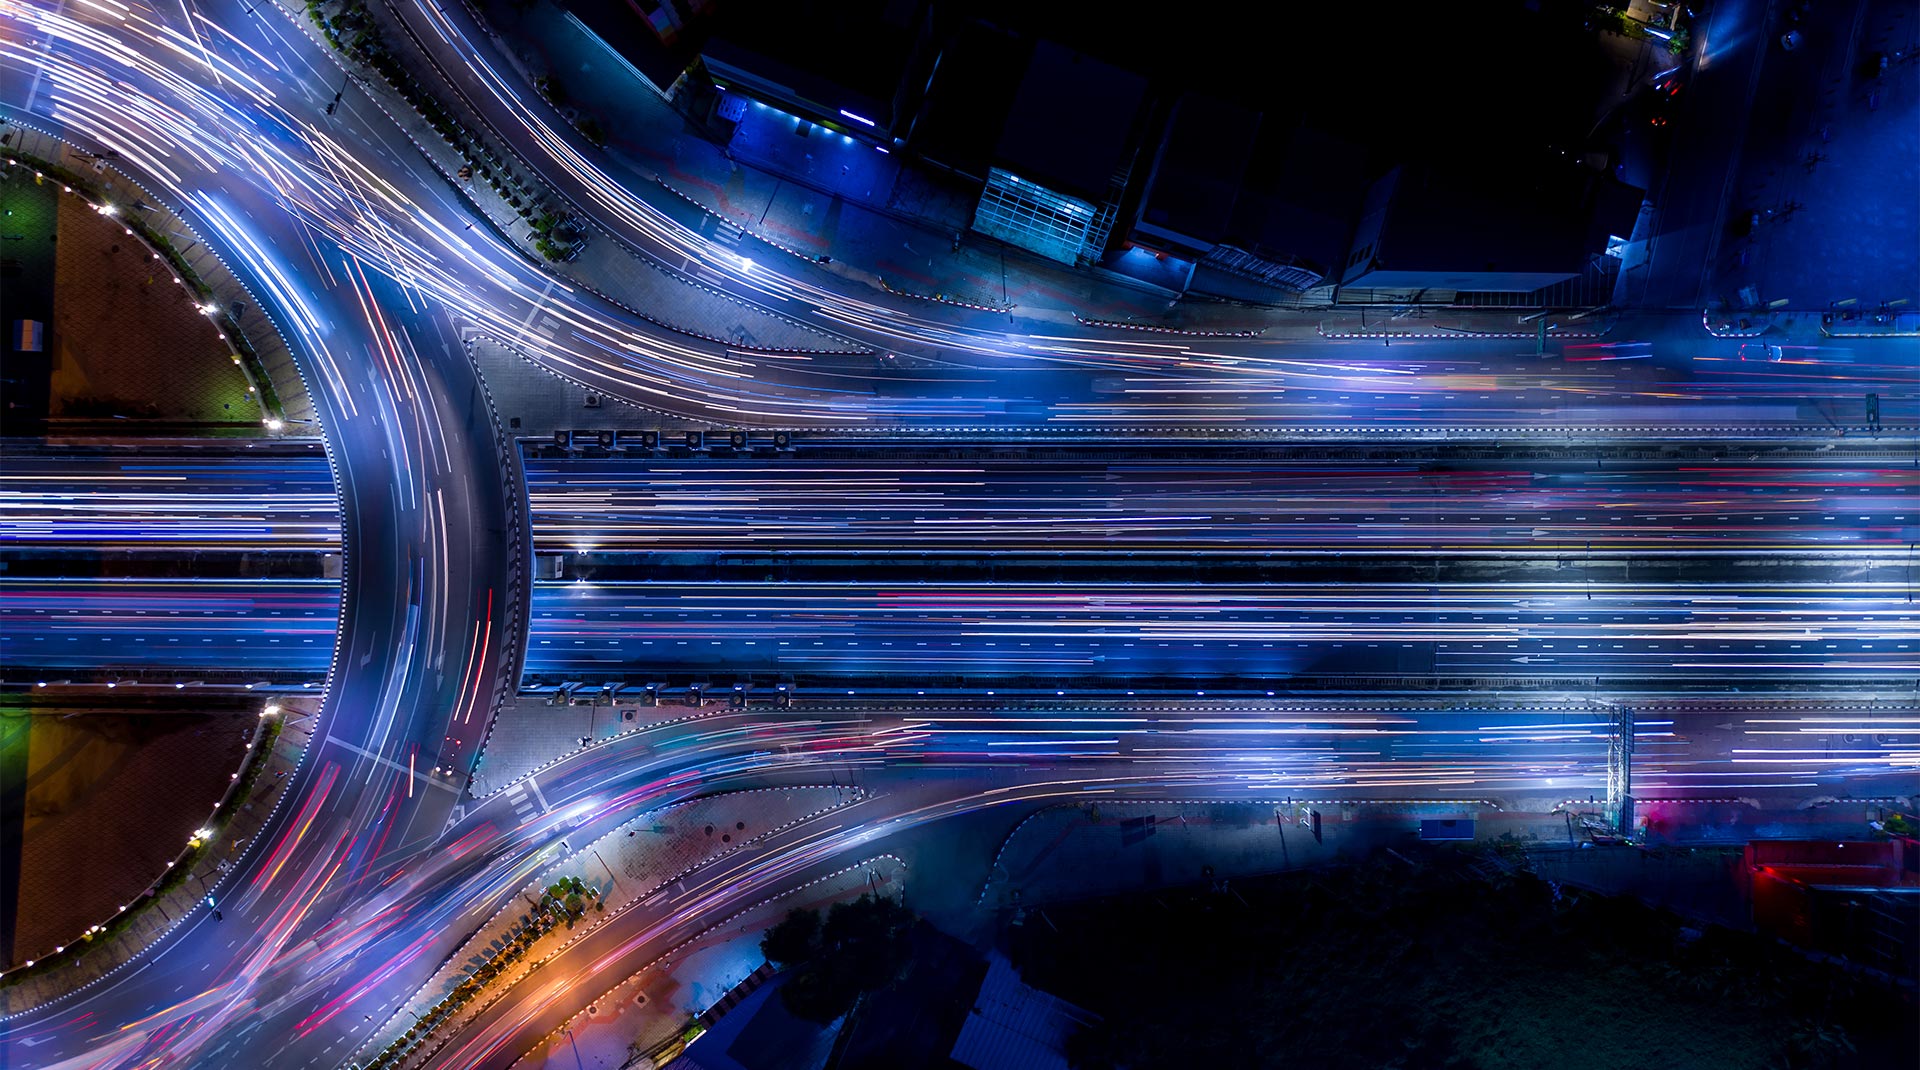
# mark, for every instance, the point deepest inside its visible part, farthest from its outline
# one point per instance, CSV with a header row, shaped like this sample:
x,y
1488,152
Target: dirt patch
x,y
111,799
127,341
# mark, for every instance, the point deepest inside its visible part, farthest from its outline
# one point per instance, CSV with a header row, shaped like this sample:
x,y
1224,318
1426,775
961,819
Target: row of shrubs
x,y
563,903
351,31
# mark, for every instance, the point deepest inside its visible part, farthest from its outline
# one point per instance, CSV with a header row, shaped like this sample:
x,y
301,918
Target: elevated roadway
x,y
374,271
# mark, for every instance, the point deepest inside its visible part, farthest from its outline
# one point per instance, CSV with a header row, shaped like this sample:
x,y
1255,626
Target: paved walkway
x,y
1828,158
1832,165
528,735
1706,885
1073,852
1069,852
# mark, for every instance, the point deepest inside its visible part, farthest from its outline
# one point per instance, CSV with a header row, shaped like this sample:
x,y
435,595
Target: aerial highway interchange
x,y
1001,560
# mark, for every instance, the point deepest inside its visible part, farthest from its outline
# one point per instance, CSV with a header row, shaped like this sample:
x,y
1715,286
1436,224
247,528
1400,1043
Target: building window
x,y
1037,219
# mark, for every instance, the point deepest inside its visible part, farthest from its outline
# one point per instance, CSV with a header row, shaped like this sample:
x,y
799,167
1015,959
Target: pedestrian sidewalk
x,y
1799,326
643,1020
629,864
1705,884
529,734
1826,195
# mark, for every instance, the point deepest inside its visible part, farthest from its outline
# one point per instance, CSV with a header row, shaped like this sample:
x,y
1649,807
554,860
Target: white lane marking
x,y
391,764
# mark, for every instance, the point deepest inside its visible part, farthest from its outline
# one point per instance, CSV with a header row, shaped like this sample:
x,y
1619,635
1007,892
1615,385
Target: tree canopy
x,y
861,946
794,940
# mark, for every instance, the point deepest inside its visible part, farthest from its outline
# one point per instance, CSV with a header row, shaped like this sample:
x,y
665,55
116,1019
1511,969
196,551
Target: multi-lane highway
x,y
1236,497
1239,637
168,562
425,509
936,763
1243,564
1152,635
665,559
372,268
100,626
234,496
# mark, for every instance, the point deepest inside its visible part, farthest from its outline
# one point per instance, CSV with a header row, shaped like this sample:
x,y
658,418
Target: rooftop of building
x,y
1014,1026
1520,213
862,47
1300,196
960,118
1072,122
1200,169
625,33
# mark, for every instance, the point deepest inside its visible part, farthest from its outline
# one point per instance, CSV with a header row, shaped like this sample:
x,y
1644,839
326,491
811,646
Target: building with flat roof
x,y
658,39
1014,1026
1186,206
1061,165
968,99
856,66
1512,226
1245,205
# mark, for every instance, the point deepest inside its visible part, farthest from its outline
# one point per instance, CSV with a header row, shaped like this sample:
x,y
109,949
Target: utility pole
x,y
1620,770
344,83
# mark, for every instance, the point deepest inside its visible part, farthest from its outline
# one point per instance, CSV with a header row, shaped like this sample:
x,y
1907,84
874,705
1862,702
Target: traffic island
x,y
122,929
146,329
132,347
